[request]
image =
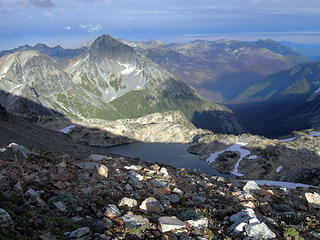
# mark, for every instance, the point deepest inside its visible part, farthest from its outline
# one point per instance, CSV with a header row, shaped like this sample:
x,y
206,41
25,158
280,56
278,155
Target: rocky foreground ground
x,y
49,197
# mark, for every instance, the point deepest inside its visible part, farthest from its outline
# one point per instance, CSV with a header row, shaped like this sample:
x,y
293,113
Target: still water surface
x,y
172,154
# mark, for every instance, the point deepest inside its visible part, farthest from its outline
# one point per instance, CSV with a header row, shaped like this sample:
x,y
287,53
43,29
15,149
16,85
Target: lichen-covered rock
x,y
129,202
259,231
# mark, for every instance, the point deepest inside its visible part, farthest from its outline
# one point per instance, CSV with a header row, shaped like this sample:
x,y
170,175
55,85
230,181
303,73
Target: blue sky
x,y
72,22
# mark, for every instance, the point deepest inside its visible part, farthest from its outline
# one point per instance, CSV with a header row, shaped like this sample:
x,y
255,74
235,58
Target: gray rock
x,y
134,221
60,206
259,231
33,198
189,215
200,224
72,202
172,198
108,222
86,165
250,187
167,224
78,233
47,236
159,183
243,216
98,226
111,211
18,188
135,175
151,204
199,199
5,220
97,157
129,202
128,187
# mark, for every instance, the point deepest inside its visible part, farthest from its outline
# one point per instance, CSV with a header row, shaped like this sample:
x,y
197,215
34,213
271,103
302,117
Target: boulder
x,y
259,231
251,186
134,221
313,199
100,172
129,202
111,211
167,224
151,204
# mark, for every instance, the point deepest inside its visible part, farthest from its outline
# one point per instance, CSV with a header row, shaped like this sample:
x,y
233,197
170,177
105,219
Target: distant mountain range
x,y
220,70
309,51
58,53
108,80
282,102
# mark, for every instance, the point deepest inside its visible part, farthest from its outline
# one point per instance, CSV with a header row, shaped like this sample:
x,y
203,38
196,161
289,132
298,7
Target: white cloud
x,y
68,28
90,27
48,14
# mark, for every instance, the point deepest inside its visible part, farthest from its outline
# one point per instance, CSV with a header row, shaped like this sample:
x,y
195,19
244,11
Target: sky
x,y
70,23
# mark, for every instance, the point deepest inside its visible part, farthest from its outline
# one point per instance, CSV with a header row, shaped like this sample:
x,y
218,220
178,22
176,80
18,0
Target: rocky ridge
x,y
103,197
294,159
168,127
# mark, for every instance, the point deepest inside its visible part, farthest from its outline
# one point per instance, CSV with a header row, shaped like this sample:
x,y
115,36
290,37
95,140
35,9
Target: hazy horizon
x,y
71,23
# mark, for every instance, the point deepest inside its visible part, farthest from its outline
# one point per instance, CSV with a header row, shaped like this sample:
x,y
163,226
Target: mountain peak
x,y
106,46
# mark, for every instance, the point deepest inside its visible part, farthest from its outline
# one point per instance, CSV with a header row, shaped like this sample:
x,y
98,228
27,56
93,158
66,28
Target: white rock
x,y
167,224
133,167
251,186
313,199
201,224
240,227
130,202
100,172
164,172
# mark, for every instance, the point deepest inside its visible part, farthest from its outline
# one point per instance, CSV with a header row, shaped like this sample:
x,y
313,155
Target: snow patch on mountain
x,y
279,169
317,134
288,139
66,130
138,71
289,185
